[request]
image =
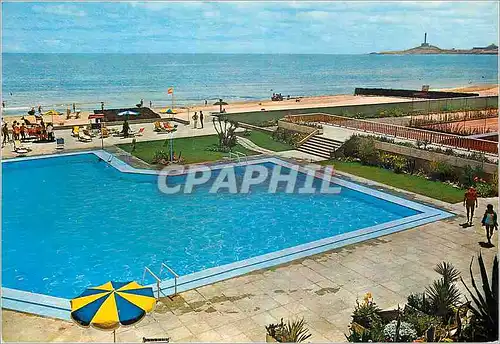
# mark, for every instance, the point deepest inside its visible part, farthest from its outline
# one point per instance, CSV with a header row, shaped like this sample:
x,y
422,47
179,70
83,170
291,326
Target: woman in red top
x,y
470,199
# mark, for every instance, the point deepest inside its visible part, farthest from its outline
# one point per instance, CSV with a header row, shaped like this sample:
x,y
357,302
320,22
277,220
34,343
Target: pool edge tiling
x,y
56,307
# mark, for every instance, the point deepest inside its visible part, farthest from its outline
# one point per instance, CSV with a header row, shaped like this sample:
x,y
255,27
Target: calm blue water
x,y
123,79
72,222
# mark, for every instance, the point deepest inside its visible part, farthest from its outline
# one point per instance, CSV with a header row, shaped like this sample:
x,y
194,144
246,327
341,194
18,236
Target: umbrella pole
x,y
114,336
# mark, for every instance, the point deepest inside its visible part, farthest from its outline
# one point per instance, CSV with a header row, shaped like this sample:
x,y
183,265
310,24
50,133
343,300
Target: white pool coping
x,y
56,307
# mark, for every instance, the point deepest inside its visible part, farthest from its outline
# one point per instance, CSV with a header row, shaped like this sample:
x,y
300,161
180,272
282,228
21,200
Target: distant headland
x,y
426,48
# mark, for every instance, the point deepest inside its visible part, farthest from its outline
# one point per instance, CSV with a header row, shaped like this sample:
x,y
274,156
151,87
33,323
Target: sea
x,y
122,80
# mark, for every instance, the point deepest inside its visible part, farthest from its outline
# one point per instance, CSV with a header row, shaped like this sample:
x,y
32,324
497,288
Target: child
x,y
490,222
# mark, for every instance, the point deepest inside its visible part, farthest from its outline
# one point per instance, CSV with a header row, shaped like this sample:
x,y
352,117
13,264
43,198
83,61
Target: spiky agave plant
x,y
443,293
484,322
295,332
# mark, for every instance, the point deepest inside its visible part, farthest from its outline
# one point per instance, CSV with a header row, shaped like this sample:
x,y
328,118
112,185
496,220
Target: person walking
x,y
23,131
14,136
206,102
489,222
470,199
201,119
17,131
5,133
50,132
195,119
125,129
102,106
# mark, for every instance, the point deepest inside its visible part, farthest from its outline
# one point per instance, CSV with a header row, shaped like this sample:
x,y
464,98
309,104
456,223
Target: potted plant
x,y
291,332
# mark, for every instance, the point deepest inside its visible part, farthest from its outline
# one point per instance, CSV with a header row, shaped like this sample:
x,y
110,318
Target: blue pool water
x,y
74,221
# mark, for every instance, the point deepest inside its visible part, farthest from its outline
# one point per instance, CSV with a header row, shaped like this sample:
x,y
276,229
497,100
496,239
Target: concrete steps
x,y
320,146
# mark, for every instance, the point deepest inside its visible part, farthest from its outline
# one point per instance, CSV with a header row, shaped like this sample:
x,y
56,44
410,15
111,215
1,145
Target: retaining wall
x,y
371,110
296,127
390,92
433,156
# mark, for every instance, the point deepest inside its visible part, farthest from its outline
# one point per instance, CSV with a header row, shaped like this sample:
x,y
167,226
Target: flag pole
x,y
173,111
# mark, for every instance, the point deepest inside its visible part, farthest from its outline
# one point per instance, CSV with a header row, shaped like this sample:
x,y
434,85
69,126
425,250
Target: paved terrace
x,y
72,143
321,288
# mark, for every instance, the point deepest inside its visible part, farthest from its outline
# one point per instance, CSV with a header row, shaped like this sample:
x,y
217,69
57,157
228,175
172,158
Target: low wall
x,y
390,92
253,127
433,156
296,127
371,110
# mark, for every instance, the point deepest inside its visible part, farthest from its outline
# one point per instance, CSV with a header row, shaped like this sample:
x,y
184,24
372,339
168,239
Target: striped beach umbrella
x,y
111,305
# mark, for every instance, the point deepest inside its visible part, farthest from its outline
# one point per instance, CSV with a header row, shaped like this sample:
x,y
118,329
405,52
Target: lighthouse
x,y
425,44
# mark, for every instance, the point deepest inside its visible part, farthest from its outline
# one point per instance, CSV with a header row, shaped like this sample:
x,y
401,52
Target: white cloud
x,y
60,10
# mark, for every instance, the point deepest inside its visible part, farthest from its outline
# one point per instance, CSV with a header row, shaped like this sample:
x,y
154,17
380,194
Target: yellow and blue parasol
x,y
108,306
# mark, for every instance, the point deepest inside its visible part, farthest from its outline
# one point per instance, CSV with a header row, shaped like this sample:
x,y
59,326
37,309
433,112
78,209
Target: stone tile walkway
x,y
323,289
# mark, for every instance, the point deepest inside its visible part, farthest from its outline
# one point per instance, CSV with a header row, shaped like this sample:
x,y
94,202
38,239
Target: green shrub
x,y
420,321
368,154
486,189
366,314
160,156
420,302
405,331
440,170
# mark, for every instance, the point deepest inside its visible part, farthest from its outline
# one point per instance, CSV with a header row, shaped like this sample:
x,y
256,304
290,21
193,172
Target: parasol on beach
x,y
111,305
128,113
52,113
169,111
220,103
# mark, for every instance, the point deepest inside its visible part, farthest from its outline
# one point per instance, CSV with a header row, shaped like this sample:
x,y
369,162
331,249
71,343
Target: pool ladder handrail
x,y
158,280
163,265
238,155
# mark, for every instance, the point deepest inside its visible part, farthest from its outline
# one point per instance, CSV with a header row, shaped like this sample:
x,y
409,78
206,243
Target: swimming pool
x,y
78,220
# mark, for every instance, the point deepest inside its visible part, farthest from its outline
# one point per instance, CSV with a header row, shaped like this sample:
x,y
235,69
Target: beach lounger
x,y
168,127
20,149
140,132
83,137
158,126
59,143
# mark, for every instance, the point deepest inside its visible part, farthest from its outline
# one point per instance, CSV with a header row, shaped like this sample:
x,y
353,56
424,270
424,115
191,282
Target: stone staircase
x,y
320,146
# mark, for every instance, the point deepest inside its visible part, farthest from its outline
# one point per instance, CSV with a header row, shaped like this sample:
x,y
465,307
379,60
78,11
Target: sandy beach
x,y
248,106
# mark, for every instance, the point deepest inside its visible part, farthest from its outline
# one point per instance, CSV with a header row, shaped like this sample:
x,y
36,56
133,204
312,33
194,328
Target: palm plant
x,y
443,293
291,332
484,321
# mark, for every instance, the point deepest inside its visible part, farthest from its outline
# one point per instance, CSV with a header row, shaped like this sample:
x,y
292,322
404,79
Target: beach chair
x,y
59,143
20,149
158,127
105,132
83,137
140,132
168,127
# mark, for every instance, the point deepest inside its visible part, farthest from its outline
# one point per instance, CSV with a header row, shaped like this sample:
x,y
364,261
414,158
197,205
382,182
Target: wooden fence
x,y
430,137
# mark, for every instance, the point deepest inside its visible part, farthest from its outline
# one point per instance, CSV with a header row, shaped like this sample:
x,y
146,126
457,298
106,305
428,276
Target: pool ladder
x,y
238,155
158,279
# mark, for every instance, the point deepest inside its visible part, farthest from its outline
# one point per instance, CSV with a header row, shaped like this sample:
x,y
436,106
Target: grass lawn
x,y
417,184
193,149
266,141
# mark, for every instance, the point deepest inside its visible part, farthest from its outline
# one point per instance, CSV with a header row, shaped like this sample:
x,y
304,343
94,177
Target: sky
x,y
245,27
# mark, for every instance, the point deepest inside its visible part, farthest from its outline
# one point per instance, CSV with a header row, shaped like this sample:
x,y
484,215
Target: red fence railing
x,y
399,131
